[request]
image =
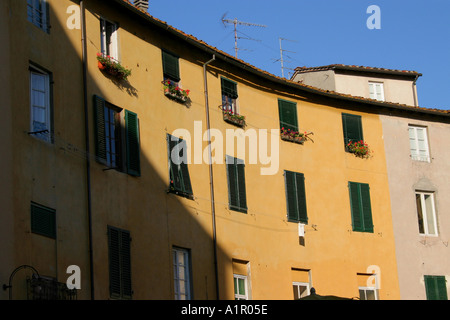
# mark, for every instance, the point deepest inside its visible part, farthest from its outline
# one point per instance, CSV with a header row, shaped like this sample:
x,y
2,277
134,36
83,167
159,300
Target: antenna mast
x,y
236,22
281,54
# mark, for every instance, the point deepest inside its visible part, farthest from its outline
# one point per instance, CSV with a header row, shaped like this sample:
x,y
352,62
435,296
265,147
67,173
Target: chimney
x,y
141,4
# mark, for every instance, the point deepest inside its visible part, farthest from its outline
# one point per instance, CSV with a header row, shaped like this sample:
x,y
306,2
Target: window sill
x,y
181,193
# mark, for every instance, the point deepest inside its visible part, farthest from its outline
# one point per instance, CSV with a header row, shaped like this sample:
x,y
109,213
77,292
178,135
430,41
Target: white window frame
x,y
365,289
37,13
113,50
426,215
376,90
181,277
418,155
296,285
238,296
46,107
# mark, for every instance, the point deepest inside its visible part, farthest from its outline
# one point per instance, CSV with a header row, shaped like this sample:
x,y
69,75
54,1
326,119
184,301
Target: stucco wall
x,y
418,255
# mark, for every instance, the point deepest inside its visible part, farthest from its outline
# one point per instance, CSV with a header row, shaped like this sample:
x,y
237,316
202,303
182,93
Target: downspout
x,y
415,91
86,128
211,181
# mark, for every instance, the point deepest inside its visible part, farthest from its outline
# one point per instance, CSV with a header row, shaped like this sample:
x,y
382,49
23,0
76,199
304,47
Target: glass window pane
x,y
430,214
420,213
241,286
370,294
362,294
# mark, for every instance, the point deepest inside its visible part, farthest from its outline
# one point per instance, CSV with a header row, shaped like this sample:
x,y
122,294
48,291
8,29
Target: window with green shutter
x,y
112,148
43,220
436,287
171,68
295,197
352,127
236,184
133,144
119,263
360,207
180,182
288,115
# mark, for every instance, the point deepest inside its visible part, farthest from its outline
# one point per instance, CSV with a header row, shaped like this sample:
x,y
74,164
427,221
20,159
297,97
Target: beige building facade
x,y
398,86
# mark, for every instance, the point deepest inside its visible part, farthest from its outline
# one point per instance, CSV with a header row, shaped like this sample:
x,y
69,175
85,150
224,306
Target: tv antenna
x,y
281,55
236,22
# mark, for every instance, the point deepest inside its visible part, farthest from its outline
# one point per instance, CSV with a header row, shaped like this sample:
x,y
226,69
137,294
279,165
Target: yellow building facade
x,y
101,168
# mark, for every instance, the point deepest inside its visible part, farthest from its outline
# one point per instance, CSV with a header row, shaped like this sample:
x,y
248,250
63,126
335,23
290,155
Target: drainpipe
x,y
211,182
415,91
86,128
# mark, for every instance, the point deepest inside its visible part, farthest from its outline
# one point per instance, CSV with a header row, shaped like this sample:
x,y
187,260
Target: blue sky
x,y
414,35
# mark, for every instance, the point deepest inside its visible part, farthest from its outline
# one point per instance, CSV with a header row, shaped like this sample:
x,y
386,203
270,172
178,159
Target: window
x,y
426,213
119,263
117,137
368,293
41,113
288,115
38,13
108,38
181,269
376,91
43,220
352,127
295,197
240,287
180,182
418,143
436,287
236,184
360,207
171,68
229,95
301,290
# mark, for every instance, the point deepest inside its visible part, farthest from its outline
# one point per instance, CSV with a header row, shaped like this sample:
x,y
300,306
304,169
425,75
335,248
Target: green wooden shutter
x,y
187,187
366,207
355,206
240,170
43,221
361,207
296,196
301,197
233,196
352,127
114,262
291,196
133,143
236,184
179,171
229,88
99,129
436,287
288,114
125,259
119,263
171,67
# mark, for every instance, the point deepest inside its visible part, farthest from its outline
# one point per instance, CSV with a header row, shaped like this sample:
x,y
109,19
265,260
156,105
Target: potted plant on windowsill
x,y
112,67
293,136
234,118
359,149
172,90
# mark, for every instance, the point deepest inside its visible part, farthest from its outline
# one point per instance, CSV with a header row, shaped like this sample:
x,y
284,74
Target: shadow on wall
x,y
133,216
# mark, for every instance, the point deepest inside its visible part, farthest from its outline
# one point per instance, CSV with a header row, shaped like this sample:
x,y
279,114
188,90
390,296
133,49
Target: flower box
x,y
232,118
359,149
112,67
292,136
173,91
